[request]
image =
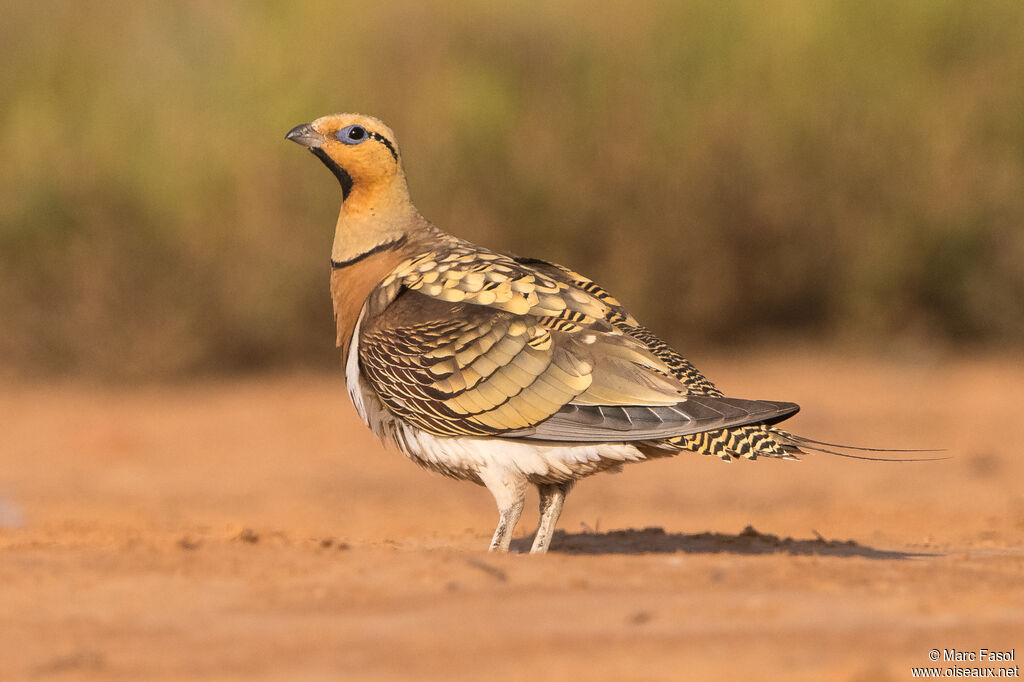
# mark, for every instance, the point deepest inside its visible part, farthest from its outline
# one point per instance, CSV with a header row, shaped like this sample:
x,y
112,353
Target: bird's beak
x,y
305,135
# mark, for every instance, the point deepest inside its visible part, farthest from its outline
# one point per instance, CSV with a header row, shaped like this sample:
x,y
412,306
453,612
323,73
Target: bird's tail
x,y
800,445
763,440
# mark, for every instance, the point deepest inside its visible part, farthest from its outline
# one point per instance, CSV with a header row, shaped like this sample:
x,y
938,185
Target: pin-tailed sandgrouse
x,y
500,370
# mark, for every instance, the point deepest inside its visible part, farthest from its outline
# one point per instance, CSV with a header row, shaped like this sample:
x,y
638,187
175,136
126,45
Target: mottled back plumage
x,y
473,343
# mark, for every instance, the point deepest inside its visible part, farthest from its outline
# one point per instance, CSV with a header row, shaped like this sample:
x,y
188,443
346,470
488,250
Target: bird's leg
x,y
508,517
552,497
509,490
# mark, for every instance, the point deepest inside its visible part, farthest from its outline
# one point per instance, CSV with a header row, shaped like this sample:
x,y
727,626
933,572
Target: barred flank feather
x,y
749,442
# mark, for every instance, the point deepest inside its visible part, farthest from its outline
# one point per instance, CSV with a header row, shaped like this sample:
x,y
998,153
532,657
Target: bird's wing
x,y
682,369
460,272
488,347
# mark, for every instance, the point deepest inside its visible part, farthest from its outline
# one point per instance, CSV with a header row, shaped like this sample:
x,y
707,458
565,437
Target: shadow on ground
x,y
748,541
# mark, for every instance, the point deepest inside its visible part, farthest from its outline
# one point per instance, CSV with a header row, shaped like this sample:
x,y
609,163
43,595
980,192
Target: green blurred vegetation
x,y
734,172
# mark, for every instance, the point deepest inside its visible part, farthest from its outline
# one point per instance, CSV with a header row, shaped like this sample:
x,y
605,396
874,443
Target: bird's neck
x,y
376,231
371,217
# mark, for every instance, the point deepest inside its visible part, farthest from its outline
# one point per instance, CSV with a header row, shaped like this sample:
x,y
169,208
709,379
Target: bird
x,y
502,370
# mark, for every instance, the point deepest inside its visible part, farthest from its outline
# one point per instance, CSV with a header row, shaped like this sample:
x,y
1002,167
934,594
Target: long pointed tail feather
x,y
804,445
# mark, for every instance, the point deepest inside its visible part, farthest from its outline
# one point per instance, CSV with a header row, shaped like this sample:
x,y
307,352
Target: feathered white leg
x,y
509,490
552,497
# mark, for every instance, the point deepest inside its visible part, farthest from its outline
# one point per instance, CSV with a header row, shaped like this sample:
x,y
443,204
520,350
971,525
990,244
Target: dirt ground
x,y
253,529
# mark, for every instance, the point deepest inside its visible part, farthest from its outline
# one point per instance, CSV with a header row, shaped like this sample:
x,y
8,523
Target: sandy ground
x,y
253,529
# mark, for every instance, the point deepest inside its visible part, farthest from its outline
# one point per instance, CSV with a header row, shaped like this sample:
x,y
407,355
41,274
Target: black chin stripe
x,y
343,177
386,142
339,264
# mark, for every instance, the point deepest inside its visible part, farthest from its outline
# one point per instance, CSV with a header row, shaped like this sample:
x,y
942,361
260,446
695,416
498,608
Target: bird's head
x,y
359,150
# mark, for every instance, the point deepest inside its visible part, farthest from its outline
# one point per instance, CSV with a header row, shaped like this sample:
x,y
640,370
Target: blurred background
x,y
816,201
739,174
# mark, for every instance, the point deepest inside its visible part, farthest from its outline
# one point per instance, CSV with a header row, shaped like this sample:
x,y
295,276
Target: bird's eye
x,y
351,134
